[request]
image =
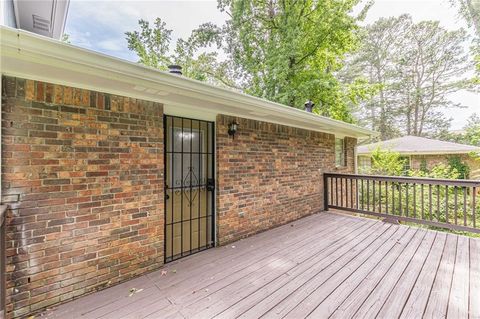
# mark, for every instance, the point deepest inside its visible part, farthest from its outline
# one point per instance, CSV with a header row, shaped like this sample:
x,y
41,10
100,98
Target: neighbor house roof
x,y
409,145
30,56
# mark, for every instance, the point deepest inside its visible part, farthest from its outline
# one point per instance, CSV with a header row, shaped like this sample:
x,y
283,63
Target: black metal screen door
x,y
189,186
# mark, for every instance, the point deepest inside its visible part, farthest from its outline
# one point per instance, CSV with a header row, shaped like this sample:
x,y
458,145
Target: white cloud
x,y
111,45
80,38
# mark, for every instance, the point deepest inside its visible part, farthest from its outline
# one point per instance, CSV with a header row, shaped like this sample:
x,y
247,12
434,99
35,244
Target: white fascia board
x,y
79,63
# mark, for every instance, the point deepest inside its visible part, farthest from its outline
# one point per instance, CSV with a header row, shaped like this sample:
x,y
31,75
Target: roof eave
x,y
18,44
424,153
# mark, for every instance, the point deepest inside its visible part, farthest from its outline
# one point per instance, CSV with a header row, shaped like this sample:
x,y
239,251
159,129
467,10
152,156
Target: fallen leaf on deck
x,y
163,273
134,291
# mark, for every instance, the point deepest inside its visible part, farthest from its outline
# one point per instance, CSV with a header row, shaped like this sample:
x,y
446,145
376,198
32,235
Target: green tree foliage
x,y
455,163
430,202
416,66
285,51
469,135
472,130
469,11
442,171
152,44
386,162
288,51
65,38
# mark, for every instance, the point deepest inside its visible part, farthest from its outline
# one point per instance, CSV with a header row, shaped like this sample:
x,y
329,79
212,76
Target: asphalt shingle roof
x,y
418,145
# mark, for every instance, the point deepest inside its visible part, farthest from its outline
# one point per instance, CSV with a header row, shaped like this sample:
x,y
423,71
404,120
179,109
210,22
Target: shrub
x,y
456,163
385,162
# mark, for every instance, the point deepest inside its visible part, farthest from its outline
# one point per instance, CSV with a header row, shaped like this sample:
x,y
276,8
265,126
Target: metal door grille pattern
x,y
189,186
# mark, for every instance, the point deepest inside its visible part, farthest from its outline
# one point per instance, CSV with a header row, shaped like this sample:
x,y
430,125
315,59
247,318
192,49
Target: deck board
x,y
324,265
265,297
372,305
457,303
241,289
440,292
417,301
358,297
474,307
320,303
365,274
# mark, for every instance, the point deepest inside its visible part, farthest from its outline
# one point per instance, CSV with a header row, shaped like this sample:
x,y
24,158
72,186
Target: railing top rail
x,y
411,180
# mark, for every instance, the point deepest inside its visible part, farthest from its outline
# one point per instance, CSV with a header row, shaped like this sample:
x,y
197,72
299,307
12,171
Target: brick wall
x,y
271,174
433,160
83,173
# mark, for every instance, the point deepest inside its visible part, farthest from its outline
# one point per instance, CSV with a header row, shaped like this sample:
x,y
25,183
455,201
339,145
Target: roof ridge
x,y
410,144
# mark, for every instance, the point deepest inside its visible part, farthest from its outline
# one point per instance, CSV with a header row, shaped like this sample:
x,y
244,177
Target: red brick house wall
x,y
83,174
270,174
433,160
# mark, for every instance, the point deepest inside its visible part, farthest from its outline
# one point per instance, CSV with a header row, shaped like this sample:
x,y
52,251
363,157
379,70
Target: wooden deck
x,y
326,265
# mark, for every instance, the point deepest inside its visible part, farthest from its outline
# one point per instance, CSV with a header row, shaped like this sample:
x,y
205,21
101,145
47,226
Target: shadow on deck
x,y
325,265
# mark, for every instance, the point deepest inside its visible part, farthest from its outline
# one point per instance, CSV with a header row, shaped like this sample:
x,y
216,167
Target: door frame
x,y
211,139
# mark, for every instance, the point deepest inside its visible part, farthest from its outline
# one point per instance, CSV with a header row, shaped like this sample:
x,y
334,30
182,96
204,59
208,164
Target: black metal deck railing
x,y
444,203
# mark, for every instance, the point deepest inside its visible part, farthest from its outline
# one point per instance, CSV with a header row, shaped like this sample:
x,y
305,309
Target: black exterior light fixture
x,y
309,106
232,129
175,69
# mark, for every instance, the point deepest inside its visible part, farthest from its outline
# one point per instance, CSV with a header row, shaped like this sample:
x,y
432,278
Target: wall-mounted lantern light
x,y
232,128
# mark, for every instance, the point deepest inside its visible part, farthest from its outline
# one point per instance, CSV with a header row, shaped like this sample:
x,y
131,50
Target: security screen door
x,y
189,186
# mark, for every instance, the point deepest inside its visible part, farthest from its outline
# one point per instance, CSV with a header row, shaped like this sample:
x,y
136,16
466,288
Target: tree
x,y
472,130
469,10
285,51
431,64
152,44
470,133
375,60
416,65
386,162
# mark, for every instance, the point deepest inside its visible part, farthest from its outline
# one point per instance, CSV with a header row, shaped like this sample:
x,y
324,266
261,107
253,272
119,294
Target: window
x,y
364,164
406,164
188,163
340,152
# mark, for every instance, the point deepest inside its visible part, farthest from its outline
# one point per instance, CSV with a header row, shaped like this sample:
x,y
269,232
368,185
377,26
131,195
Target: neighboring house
x,y
422,153
112,168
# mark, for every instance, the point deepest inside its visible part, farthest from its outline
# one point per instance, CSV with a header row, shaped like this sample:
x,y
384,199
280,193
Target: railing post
x,y
325,192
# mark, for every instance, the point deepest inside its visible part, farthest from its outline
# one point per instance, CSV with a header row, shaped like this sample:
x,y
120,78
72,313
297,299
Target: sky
x,y
101,26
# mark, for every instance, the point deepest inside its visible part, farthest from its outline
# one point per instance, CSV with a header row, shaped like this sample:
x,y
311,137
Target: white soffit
x,y
31,56
44,17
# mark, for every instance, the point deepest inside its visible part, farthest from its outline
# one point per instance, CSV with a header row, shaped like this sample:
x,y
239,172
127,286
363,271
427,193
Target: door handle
x,y
210,184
